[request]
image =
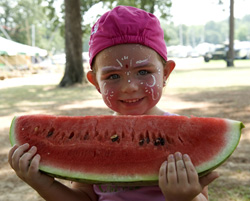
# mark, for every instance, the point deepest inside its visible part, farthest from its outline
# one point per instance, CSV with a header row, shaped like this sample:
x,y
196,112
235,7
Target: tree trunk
x,y
74,72
230,57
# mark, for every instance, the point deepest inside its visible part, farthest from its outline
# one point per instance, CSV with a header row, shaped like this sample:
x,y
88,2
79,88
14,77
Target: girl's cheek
x,y
108,94
152,87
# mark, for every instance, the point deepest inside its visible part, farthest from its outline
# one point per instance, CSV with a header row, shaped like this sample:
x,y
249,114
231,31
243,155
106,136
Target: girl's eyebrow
x,y
144,64
107,69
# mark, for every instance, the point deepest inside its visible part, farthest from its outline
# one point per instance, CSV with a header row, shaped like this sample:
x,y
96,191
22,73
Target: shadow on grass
x,y
231,103
49,99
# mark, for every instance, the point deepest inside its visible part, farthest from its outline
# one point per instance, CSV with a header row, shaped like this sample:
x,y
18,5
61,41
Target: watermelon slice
x,y
124,149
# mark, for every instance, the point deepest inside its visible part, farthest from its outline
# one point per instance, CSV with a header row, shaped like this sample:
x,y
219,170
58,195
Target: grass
x,y
220,193
31,98
209,79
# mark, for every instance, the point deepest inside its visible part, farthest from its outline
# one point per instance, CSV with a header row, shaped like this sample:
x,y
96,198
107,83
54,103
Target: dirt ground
x,y
234,181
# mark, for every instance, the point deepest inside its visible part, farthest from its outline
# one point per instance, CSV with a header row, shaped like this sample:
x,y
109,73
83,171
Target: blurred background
x,y
33,32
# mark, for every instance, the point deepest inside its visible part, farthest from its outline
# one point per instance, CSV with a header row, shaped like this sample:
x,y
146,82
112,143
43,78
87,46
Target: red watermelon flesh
x,y
99,149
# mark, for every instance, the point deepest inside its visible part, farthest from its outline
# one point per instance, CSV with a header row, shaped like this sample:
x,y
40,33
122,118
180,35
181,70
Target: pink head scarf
x,y
126,24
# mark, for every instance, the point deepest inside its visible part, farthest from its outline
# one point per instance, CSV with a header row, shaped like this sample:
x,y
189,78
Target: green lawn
x,y
209,79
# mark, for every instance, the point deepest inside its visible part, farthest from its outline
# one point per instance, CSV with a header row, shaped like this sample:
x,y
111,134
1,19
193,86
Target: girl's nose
x,y
129,86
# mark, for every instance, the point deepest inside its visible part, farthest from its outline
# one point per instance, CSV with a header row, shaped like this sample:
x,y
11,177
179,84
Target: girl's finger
x,y
34,164
181,169
193,177
11,152
171,170
163,175
17,154
25,159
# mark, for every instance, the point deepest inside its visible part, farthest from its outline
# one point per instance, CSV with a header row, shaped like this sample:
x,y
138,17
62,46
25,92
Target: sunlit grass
x,y
208,79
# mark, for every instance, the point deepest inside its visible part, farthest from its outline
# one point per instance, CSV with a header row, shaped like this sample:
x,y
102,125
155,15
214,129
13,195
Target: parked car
x,y
241,51
220,52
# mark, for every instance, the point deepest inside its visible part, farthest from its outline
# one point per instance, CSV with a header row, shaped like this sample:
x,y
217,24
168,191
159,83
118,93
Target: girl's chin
x,y
139,108
131,112
126,112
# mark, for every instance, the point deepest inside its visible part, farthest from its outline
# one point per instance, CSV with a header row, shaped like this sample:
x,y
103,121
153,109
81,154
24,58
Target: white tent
x,y
13,48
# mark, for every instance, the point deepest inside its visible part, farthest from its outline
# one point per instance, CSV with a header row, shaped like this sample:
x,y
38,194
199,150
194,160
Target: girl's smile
x,y
130,78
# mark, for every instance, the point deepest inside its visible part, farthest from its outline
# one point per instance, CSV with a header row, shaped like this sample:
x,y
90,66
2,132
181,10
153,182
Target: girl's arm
x,y
25,162
78,192
179,180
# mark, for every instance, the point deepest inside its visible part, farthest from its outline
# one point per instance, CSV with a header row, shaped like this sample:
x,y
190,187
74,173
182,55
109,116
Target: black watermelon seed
x,y
114,138
71,135
162,140
141,142
50,133
159,141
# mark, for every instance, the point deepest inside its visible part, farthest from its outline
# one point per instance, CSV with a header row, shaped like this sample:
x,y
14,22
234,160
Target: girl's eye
x,y
143,72
113,77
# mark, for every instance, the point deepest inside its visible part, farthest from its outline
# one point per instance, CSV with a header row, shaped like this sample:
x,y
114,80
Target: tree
x,y
73,44
230,58
18,16
230,54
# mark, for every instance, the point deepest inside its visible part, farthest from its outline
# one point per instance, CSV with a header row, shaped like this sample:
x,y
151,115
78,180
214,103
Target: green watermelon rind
x,y
234,132
234,127
100,178
12,132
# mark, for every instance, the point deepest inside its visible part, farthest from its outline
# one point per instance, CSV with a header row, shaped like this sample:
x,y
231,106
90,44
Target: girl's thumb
x,y
207,179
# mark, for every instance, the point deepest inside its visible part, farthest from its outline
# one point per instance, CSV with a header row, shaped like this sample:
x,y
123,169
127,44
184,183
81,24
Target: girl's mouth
x,y
129,101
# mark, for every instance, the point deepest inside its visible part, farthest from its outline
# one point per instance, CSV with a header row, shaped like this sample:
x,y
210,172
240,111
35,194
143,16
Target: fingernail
x,y
32,148
186,156
178,154
171,156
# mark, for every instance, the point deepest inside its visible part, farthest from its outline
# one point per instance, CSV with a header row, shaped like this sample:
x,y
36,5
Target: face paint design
x,y
130,84
119,62
107,95
154,81
154,92
141,61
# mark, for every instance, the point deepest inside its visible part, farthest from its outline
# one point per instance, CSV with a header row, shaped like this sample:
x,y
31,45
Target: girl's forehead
x,y
125,53
127,47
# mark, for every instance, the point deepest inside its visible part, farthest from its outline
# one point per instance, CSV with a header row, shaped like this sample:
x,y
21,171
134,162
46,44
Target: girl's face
x,y
130,78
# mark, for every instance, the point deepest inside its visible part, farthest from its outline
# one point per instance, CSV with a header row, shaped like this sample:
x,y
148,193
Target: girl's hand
x,y
25,162
179,180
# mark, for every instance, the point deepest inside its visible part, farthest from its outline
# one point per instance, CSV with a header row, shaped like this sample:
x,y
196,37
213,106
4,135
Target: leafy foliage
x,y
18,17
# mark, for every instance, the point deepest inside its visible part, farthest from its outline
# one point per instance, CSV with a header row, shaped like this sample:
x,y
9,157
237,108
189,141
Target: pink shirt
x,y
108,192
119,193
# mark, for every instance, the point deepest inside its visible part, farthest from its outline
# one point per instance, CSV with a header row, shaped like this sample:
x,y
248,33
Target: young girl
x,y
128,58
